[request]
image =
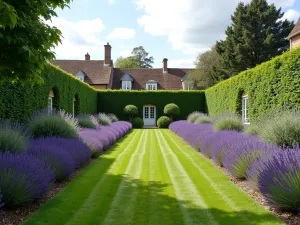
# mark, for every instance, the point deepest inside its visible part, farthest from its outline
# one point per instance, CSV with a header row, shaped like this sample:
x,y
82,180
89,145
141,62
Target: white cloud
x,y
125,53
181,63
291,15
121,33
111,2
191,26
78,37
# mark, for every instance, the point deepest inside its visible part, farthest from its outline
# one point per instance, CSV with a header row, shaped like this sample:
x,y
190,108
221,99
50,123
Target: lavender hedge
x,y
1,204
56,156
268,168
104,137
23,178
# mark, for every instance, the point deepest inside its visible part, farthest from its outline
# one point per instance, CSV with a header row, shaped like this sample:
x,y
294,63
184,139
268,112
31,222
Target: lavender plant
x,y
113,117
70,119
104,119
58,159
1,204
279,180
229,122
87,121
243,155
194,116
23,178
203,119
13,137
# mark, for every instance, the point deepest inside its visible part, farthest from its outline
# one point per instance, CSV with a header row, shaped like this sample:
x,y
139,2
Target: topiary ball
x,y
130,110
172,110
163,122
137,122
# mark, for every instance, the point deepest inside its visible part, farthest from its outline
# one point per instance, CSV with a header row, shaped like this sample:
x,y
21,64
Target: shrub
x,y
163,122
172,110
203,119
13,138
209,142
137,122
230,122
23,178
113,117
72,121
243,155
283,129
193,116
86,122
49,126
104,119
279,180
252,130
131,111
58,159
225,143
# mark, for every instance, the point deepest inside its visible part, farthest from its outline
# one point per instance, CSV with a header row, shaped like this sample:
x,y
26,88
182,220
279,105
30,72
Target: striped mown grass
x,y
151,177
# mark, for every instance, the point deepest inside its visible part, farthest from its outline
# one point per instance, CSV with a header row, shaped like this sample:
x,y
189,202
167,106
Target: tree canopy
x,y
26,39
257,34
139,59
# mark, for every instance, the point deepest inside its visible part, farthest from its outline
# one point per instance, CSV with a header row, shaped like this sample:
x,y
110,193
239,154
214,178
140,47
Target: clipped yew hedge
x,y
270,86
114,101
19,102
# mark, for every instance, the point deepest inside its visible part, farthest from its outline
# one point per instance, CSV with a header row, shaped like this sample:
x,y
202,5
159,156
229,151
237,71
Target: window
x,y
50,105
187,85
152,86
126,85
80,78
245,109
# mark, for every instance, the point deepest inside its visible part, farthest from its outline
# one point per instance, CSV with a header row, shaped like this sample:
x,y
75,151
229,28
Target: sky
x,y
175,29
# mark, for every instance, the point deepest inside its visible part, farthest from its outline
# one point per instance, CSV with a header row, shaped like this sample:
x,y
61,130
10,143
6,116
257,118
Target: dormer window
x,y
151,85
187,83
126,85
80,75
126,82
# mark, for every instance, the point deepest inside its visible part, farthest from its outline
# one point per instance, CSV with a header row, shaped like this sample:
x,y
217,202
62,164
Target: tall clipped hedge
x,y
114,101
270,86
19,102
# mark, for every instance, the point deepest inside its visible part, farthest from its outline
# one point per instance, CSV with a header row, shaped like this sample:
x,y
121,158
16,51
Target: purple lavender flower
x,y
279,180
23,178
58,159
224,143
243,155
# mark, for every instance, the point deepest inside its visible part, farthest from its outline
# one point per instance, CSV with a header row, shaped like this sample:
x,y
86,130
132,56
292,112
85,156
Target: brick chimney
x,y
87,57
165,65
107,55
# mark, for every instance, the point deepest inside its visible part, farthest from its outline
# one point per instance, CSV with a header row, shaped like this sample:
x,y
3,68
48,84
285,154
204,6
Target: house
x,y
101,74
294,36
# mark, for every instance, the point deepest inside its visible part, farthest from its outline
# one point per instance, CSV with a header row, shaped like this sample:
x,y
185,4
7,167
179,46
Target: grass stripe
x,y
124,196
184,188
90,202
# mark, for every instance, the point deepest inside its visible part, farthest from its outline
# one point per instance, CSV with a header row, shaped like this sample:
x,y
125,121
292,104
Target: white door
x,y
149,115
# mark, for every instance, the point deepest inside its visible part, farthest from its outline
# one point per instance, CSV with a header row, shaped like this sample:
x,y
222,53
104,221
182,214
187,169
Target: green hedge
x,y
19,102
271,85
114,101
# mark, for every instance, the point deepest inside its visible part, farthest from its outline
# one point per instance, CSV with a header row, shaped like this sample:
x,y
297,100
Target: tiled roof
x,y
95,70
166,81
296,30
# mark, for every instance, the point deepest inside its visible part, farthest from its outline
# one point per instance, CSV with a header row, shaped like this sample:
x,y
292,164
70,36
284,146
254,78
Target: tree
x,y
25,38
208,71
257,34
128,62
138,59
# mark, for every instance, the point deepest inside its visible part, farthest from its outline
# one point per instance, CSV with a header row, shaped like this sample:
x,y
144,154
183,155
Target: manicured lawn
x,y
151,177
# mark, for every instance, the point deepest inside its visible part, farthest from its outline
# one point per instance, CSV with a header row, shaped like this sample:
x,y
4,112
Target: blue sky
x,y
175,29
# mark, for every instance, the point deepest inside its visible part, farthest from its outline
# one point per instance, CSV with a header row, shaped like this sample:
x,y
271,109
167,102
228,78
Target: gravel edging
x,y
19,215
286,217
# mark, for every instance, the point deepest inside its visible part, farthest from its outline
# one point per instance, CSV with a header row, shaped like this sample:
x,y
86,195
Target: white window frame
x,y
187,85
245,104
126,85
50,105
151,86
80,78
